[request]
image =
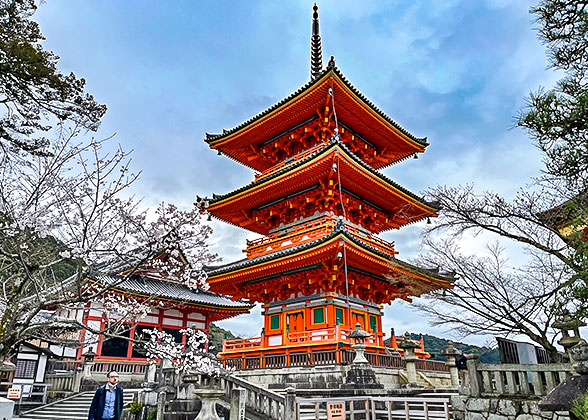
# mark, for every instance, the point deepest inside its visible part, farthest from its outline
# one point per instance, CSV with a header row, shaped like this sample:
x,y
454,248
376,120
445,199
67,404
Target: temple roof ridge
x,y
423,141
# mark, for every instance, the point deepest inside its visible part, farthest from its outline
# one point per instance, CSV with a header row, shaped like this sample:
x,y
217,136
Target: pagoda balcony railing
x,y
289,161
242,343
336,334
310,231
335,356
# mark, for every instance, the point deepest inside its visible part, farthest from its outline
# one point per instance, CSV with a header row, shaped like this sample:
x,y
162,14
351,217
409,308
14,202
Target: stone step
x,y
72,408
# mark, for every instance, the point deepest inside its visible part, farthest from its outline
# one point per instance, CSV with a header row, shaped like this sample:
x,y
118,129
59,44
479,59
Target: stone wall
x,y
480,408
331,377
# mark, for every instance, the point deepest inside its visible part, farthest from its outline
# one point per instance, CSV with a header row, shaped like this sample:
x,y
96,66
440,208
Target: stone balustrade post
x,y
238,396
150,373
409,345
451,352
290,404
87,372
77,384
474,378
160,406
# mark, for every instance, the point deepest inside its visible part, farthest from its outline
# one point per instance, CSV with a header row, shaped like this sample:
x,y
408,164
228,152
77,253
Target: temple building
x,y
319,202
170,306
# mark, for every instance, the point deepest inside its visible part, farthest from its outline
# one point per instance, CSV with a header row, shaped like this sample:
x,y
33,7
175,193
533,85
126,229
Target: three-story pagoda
x,y
319,202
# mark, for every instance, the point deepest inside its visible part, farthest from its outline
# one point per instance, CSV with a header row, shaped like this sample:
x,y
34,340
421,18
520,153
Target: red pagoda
x,y
319,202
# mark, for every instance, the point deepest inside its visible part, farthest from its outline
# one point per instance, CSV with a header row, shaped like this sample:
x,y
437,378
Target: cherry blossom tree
x,y
192,357
64,212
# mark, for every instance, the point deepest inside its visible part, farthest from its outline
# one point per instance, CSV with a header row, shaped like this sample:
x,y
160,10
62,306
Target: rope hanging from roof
x,y
316,48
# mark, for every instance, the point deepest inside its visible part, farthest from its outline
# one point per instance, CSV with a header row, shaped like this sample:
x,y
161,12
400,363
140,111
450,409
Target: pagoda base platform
x,y
333,378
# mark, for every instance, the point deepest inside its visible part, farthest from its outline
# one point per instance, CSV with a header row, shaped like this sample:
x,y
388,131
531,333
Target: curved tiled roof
x,y
212,137
148,286
339,229
333,143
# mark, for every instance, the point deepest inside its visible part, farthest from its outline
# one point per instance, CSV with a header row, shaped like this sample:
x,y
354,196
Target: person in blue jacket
x,y
108,400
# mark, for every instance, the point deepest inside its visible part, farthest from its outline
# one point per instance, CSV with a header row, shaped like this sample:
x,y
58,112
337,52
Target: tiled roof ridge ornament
x,y
331,64
316,48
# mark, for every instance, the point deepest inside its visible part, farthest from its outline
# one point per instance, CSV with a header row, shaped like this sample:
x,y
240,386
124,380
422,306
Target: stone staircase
x,y
71,408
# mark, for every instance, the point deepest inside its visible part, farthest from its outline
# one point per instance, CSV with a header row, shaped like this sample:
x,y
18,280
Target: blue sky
x,y
455,71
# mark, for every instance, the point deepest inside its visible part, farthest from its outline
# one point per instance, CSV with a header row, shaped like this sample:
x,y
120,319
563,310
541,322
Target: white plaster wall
x,y
195,324
95,312
28,356
173,312
274,340
41,369
197,315
151,319
172,322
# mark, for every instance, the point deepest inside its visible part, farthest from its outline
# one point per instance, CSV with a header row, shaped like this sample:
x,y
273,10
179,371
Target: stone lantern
x,y
85,381
563,396
89,357
409,345
358,335
361,374
209,389
570,331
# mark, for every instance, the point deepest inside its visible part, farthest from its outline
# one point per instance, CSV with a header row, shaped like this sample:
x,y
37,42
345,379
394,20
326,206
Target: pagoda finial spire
x,y
316,48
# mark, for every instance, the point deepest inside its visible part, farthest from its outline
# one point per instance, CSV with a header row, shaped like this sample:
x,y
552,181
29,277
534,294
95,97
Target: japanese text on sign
x,y
336,410
13,393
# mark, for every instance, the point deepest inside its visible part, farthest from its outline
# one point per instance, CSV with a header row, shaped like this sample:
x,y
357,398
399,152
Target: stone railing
x,y
124,367
62,382
486,380
258,399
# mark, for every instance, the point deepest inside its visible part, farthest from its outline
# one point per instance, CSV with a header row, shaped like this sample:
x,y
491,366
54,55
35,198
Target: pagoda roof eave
x,y
339,231
221,141
216,199
211,138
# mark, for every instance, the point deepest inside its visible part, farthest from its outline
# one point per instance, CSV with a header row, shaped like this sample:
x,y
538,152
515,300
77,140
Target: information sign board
x,y
336,410
14,393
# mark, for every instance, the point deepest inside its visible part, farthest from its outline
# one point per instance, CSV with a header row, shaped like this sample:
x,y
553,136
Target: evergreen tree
x,y
36,97
557,120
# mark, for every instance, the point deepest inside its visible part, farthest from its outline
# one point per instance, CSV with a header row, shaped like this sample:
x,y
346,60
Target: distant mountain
x,y
216,337
433,345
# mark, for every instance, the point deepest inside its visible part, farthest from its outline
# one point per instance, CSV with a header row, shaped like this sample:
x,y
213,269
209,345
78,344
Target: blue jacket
x,y
97,407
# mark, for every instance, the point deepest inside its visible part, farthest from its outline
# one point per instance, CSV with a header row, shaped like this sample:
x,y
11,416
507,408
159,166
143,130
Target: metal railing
x,y
31,394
